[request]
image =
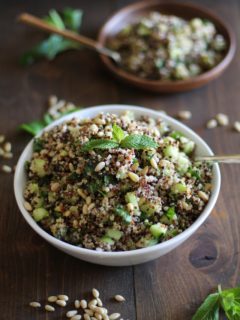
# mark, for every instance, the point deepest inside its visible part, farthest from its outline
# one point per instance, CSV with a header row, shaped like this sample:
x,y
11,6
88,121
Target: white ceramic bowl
x,y
127,257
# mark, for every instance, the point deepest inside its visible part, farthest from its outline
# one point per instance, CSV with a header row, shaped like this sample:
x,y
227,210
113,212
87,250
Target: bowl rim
x,y
18,191
221,66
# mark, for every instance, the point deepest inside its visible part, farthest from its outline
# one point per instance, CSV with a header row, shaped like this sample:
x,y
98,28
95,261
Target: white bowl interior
x,y
126,257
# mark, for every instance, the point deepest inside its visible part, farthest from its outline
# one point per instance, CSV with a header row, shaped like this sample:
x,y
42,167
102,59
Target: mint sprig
x,y
120,140
227,300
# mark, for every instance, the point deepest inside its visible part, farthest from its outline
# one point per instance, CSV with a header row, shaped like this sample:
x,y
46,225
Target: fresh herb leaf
x,y
55,19
72,18
171,213
209,310
47,119
99,144
55,44
118,133
138,142
230,302
33,127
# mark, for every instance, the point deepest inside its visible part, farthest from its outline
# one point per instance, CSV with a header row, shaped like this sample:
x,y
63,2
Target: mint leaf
x,y
99,144
138,142
230,302
118,133
54,19
209,310
72,18
33,127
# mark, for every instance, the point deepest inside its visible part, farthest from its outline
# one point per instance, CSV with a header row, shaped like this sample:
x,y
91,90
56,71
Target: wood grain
x,y
170,288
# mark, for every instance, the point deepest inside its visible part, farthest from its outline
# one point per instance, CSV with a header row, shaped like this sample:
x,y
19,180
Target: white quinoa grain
x,y
63,297
71,313
6,169
185,114
83,304
7,147
77,304
35,304
211,124
76,317
99,166
114,316
222,119
236,126
61,303
52,298
27,206
49,308
133,176
203,195
119,298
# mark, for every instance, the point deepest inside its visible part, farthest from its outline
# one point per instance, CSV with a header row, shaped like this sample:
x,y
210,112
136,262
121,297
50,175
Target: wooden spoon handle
x,y
40,24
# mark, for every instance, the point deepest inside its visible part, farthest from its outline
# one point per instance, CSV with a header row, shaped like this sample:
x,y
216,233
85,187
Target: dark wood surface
x,y
170,288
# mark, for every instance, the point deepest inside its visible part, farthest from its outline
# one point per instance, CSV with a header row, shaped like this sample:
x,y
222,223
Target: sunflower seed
x,y
63,297
71,313
211,124
49,308
61,303
114,316
185,114
77,304
119,298
222,119
35,304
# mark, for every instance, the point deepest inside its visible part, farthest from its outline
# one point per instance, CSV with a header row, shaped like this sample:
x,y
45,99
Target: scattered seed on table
x,y
7,155
86,316
236,126
119,298
50,298
77,304
35,304
71,313
93,302
2,138
83,304
211,124
61,303
98,316
63,297
6,168
49,308
222,119
99,302
7,147
95,292
114,316
52,101
185,114
76,317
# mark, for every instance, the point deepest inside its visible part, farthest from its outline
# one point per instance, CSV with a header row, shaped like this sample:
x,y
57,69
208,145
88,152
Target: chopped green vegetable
x,y
171,152
158,230
72,18
121,212
178,188
114,234
38,167
171,214
149,207
37,145
107,240
39,214
176,135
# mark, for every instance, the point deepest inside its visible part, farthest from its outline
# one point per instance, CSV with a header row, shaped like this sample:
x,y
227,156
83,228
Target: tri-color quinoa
x,y
166,47
115,198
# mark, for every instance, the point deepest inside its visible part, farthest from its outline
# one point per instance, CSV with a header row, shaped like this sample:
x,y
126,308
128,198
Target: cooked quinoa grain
x,y
144,194
166,47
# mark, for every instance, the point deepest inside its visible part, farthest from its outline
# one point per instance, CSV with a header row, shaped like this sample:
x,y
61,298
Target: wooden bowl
x,y
131,14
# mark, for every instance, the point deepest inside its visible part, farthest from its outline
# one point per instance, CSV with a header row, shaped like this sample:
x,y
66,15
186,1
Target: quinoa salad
x,y
166,47
115,183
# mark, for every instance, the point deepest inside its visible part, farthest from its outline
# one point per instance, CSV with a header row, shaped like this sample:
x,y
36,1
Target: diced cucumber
x,y
178,188
188,147
107,240
171,214
39,214
171,152
150,207
114,234
176,135
158,229
120,211
131,197
183,163
33,187
38,167
149,242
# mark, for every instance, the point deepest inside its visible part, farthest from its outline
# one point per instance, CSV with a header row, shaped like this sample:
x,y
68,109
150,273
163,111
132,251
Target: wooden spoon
x,y
88,42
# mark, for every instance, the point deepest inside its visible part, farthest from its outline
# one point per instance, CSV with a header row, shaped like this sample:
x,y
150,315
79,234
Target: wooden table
x,y
170,288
